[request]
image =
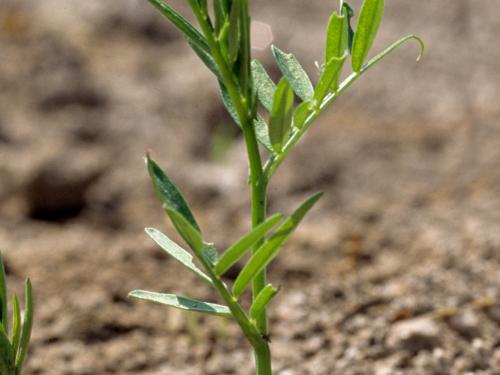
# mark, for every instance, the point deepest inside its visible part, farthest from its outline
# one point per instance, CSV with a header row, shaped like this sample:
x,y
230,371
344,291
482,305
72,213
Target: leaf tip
x,y
133,294
421,43
317,195
276,51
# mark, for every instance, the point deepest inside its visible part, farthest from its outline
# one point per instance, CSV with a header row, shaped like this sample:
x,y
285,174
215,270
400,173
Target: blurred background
x,y
396,271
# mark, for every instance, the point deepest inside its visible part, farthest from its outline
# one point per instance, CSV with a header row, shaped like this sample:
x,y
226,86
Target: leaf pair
x,y
291,70
195,39
231,35
182,218
13,350
341,38
186,259
267,251
236,251
230,257
175,206
260,126
271,247
278,100
184,222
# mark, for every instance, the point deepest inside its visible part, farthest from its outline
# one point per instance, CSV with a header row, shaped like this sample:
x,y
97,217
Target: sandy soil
x,y
396,271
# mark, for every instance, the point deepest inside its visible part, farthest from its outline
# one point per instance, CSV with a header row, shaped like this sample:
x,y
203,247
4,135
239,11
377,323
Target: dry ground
x,y
395,272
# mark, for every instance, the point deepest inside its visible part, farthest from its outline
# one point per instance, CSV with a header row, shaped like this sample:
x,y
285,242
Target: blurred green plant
x,y
14,347
223,44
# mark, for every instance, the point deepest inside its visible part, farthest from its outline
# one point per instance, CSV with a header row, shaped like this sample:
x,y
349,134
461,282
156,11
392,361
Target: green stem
x,y
255,338
259,208
257,177
263,361
249,329
259,344
243,102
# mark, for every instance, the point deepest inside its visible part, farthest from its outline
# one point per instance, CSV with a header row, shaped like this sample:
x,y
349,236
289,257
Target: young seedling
x,y
14,346
222,42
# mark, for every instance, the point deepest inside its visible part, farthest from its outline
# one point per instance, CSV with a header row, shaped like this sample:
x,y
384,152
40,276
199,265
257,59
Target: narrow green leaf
x,y
240,247
260,126
262,132
4,368
177,252
167,192
293,71
349,13
245,69
3,296
226,99
194,38
337,36
337,44
203,6
393,47
209,253
234,32
16,325
369,21
262,300
181,23
223,38
205,57
189,233
263,84
27,325
220,14
269,249
6,356
301,114
227,5
281,114
182,303
328,77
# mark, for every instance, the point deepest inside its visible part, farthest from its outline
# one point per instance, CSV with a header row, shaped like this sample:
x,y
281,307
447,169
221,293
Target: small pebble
x,y
414,335
466,324
494,313
313,345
